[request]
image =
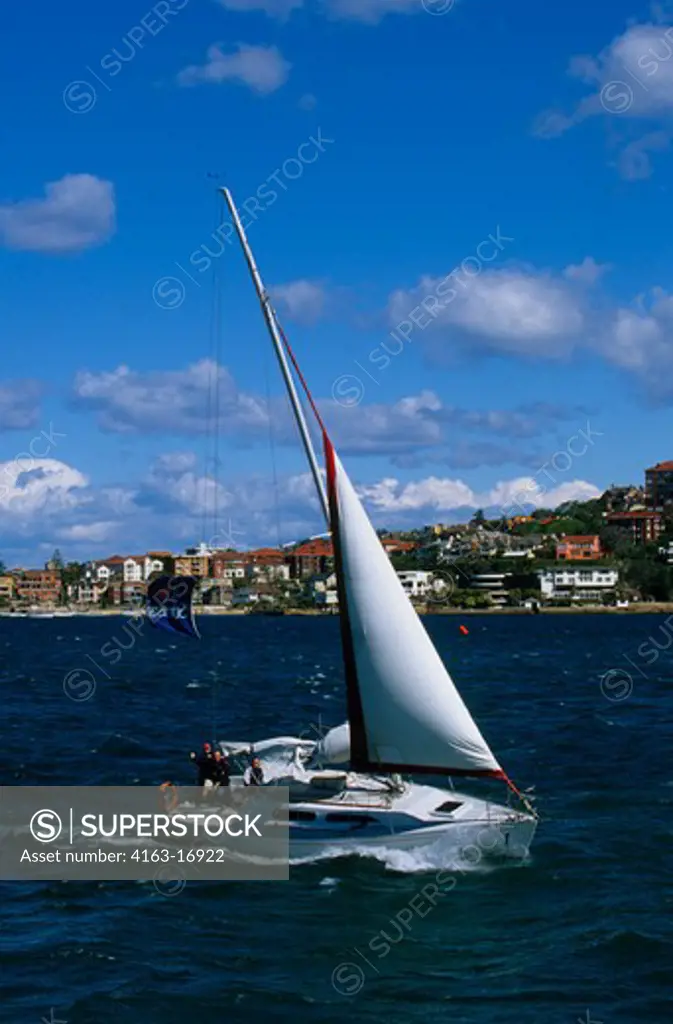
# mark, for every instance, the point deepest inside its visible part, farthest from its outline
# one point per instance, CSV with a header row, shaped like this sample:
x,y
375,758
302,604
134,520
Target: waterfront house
x,y
107,568
642,526
193,563
417,583
39,586
579,548
242,597
311,557
396,546
323,589
491,585
659,486
228,567
7,588
266,564
578,584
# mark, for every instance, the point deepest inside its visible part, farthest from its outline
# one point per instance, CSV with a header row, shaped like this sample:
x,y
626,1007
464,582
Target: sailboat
x,y
355,787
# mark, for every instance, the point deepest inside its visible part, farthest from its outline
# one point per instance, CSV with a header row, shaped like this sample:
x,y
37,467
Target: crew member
x,y
220,769
204,764
254,775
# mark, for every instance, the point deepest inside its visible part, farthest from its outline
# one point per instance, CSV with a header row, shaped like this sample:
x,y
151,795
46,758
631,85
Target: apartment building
x,y
579,548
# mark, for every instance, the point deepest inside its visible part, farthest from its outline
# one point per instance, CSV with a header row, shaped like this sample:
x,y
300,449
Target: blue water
x,y
582,928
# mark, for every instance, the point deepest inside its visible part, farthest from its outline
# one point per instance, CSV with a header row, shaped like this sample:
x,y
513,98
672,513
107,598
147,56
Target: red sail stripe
x,y
358,737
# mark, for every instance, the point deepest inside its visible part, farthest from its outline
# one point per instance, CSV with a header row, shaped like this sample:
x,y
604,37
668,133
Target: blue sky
x,y
492,178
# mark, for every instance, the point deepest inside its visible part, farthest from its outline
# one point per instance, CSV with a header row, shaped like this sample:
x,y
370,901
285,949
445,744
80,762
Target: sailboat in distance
x,y
352,788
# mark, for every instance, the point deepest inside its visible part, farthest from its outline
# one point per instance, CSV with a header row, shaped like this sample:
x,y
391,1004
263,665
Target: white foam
x,y
444,854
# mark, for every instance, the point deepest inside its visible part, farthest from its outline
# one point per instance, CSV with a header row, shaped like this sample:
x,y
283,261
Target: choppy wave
x,y
579,931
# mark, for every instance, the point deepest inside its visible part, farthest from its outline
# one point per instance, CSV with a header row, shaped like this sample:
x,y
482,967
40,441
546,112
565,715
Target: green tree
x,y
616,541
56,559
72,573
651,580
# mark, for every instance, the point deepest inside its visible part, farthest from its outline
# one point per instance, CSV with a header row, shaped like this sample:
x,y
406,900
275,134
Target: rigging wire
x,y
217,330
272,447
300,375
209,425
209,489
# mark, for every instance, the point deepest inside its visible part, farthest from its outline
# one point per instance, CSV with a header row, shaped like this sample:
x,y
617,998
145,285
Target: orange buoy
x,y
464,630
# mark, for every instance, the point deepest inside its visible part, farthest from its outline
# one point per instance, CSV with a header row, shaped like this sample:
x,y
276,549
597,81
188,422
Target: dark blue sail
x,y
169,604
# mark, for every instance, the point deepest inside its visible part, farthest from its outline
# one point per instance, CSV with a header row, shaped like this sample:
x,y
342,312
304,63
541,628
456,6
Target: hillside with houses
x,y
611,550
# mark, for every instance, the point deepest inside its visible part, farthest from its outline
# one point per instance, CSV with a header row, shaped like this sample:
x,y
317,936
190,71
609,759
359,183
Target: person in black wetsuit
x,y
204,764
220,769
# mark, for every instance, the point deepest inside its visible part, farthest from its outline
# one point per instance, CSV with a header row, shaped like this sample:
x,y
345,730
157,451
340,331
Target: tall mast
x,y
270,319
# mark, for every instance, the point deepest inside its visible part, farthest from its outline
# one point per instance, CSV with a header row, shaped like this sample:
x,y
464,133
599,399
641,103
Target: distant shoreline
x,y
637,608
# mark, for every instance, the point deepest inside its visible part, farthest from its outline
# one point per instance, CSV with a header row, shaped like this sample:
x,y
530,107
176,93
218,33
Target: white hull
x,y
455,845
477,831
361,814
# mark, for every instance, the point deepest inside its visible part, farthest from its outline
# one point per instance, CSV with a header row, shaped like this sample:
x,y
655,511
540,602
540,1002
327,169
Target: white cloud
x,y
249,509
52,504
631,80
572,490
95,533
169,401
38,487
433,492
262,68
443,494
76,213
176,462
406,425
172,479
586,272
523,312
179,402
541,315
527,490
369,12
304,301
19,404
274,8
372,11
634,162
640,339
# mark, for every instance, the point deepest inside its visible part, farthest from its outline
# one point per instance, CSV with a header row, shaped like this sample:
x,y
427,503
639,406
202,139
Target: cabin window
x,y
301,816
447,807
350,819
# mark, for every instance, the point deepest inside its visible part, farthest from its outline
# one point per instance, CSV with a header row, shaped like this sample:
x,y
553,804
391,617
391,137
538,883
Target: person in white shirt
x,y
254,775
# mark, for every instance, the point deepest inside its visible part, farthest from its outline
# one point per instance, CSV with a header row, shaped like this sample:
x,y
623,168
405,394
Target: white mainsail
x,y
406,713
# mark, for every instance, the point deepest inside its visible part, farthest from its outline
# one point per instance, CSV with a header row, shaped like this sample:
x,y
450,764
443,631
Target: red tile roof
x,y
660,465
318,548
399,545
